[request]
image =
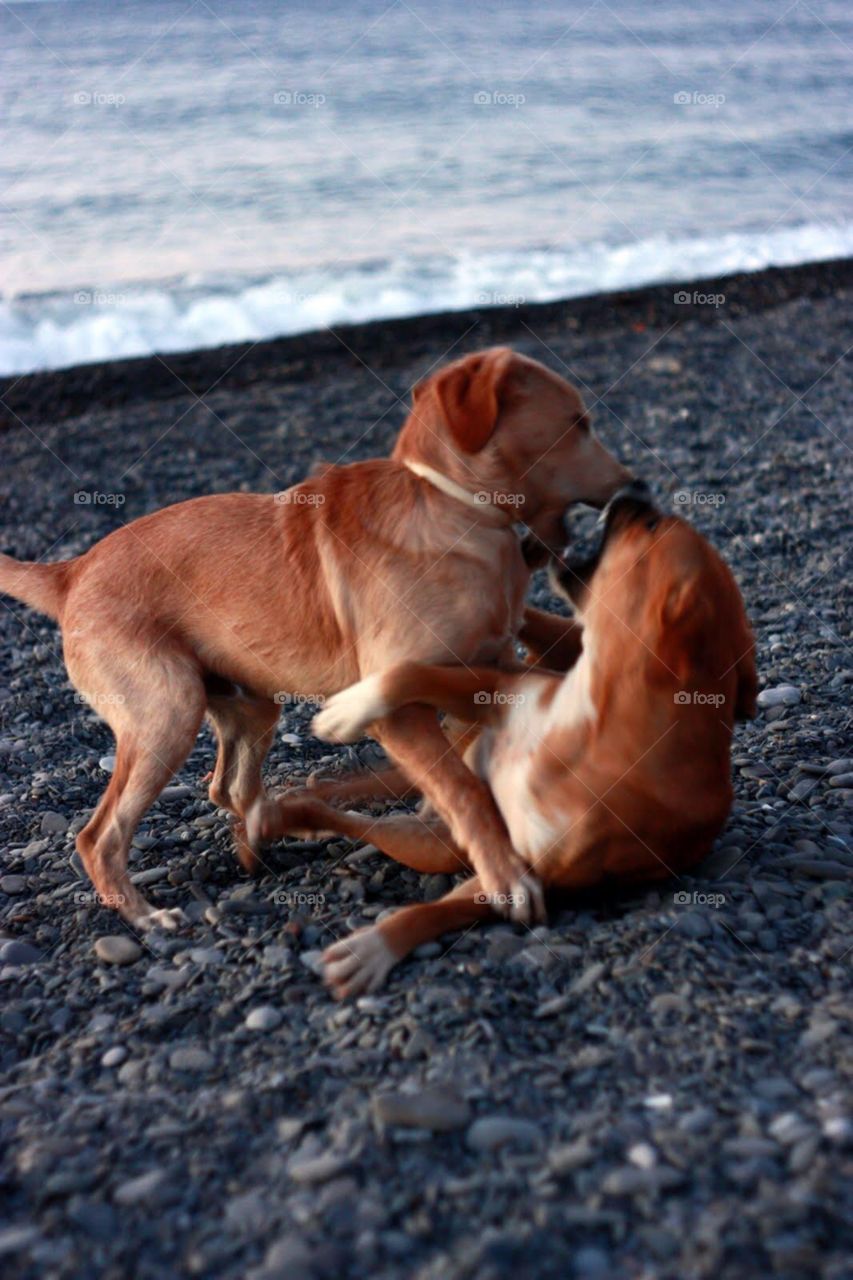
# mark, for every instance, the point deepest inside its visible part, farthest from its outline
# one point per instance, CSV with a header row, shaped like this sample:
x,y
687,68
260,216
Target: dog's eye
x,y
652,523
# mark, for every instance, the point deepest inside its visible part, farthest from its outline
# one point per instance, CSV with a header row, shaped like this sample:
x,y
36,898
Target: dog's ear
x,y
469,394
684,621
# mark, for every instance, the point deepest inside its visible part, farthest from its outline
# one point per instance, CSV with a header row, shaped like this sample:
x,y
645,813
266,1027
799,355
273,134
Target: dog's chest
x,y
508,769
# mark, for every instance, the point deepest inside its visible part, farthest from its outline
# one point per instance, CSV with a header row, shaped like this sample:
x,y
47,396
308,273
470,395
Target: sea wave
x,y
51,331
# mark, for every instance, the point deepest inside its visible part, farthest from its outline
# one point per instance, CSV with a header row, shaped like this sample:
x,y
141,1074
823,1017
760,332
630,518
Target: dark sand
x,y
683,1067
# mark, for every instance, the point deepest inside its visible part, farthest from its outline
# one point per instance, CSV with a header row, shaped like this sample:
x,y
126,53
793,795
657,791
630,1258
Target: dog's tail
x,y
41,586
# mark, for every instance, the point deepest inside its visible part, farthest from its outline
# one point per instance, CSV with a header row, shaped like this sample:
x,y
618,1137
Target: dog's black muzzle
x,y
572,571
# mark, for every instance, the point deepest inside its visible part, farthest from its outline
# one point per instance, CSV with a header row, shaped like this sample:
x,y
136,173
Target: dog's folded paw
x,y
521,900
262,822
528,901
357,964
346,715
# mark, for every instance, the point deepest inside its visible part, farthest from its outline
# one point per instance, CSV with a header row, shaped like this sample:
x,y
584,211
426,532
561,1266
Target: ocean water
x,y
189,173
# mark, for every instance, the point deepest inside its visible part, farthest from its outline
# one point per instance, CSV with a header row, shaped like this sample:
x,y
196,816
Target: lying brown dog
x,y
222,605
619,770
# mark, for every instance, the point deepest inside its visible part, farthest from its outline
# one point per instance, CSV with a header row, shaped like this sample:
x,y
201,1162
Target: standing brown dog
x,y
215,606
619,770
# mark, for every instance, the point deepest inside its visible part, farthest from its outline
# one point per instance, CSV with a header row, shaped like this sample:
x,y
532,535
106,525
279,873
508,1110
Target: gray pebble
x,y
13,885
693,924
570,1156
141,1190
264,1018
438,1109
783,695
310,1170
492,1133
17,1238
589,978
591,1261
117,949
191,1059
53,824
209,957
19,952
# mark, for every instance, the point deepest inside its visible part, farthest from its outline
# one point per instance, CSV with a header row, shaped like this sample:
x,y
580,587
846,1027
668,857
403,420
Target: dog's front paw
x,y
170,919
357,964
347,714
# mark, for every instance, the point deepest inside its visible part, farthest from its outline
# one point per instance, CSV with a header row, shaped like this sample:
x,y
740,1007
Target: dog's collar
x,y
479,501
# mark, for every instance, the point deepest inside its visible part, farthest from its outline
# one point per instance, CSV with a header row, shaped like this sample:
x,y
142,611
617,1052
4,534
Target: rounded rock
x,y
440,1110
117,949
264,1018
191,1059
19,952
493,1133
783,695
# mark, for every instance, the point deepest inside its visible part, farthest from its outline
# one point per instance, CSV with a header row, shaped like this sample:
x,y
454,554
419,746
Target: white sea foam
x,y
56,330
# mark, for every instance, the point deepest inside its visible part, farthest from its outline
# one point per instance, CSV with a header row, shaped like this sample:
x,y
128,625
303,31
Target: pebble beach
x,y
652,1085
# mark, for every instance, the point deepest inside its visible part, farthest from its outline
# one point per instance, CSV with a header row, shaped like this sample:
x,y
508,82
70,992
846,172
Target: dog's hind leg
x,y
155,708
245,728
367,784
405,837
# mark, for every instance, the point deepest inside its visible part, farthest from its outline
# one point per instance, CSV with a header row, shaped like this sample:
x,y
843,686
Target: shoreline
x,y
56,394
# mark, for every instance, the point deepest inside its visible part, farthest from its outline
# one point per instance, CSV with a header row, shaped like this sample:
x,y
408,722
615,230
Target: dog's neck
x,y
479,501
